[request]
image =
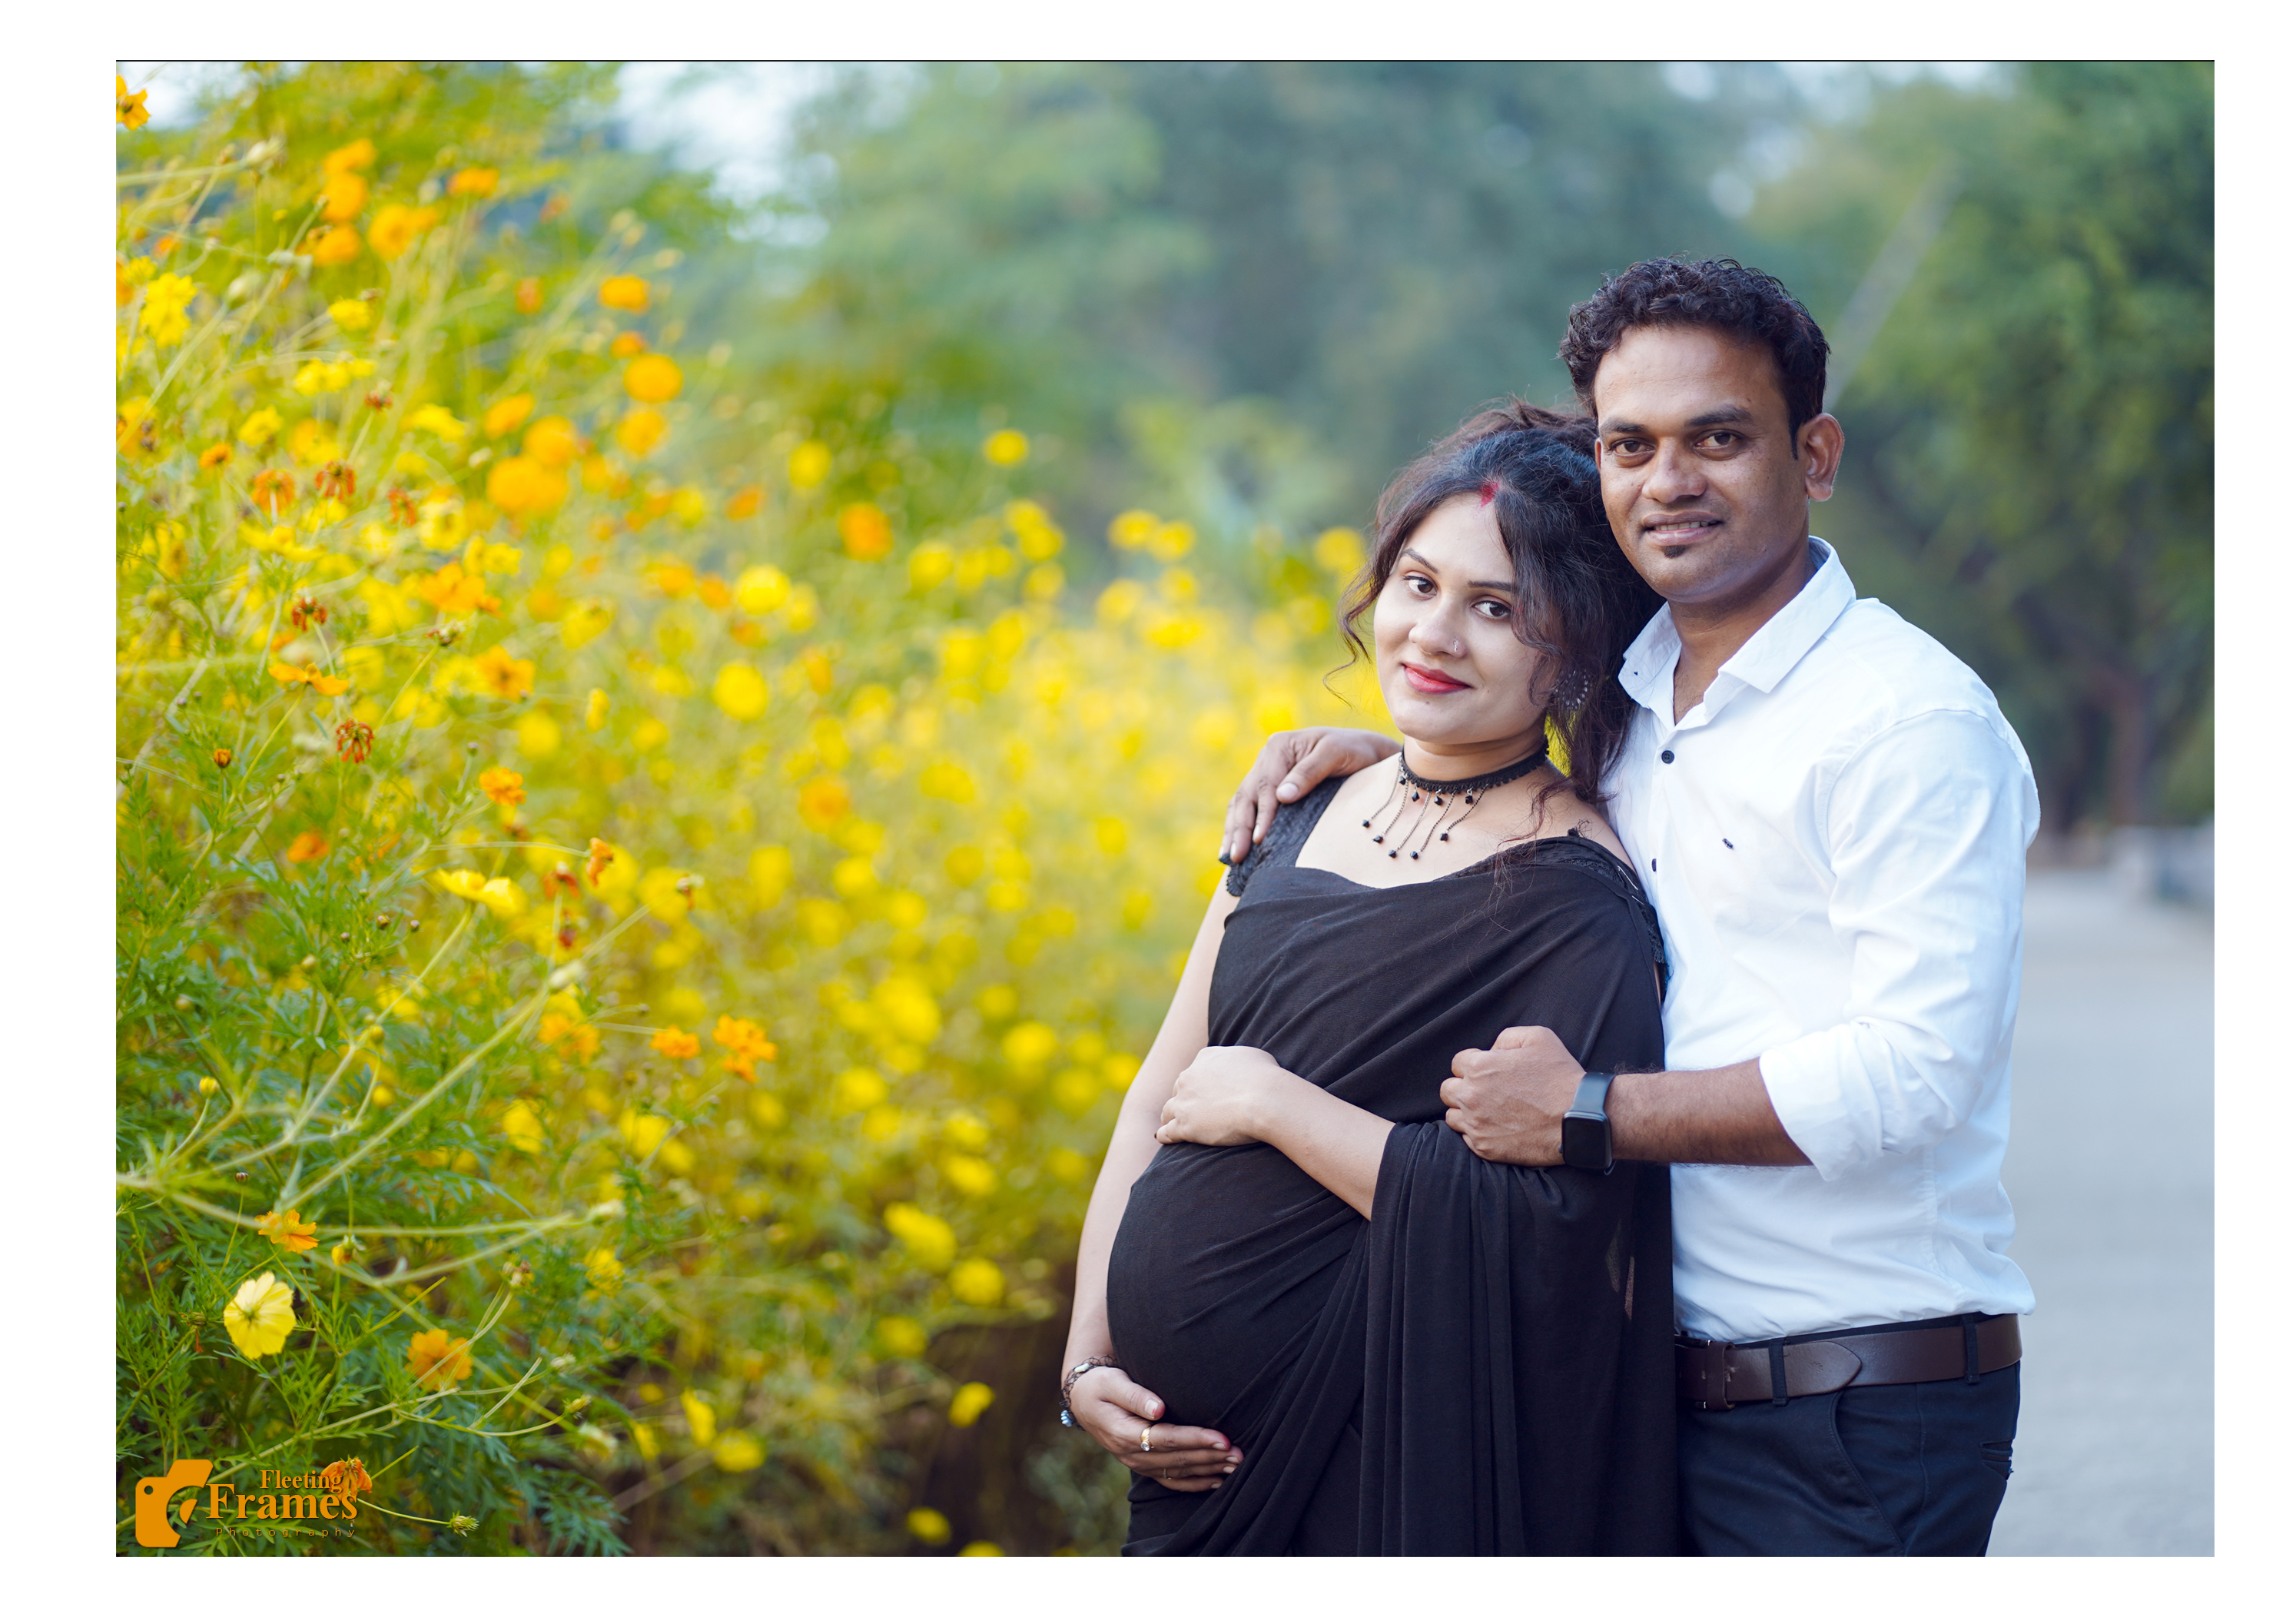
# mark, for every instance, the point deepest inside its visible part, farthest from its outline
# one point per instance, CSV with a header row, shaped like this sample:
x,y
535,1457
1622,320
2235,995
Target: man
x,y
1831,816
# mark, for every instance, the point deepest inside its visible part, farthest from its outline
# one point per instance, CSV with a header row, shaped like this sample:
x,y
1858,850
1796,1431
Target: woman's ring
x,y
1143,1437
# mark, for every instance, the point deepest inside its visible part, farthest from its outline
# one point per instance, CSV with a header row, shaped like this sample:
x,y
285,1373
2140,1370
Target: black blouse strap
x,y
1280,847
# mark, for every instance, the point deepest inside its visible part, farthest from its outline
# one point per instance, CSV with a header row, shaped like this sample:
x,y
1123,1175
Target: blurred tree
x,y
2031,432
1363,252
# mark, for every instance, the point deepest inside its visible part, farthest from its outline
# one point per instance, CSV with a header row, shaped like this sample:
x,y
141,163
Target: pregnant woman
x,y
1307,1316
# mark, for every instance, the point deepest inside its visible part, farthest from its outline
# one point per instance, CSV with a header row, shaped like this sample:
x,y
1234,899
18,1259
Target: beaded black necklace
x,y
1435,798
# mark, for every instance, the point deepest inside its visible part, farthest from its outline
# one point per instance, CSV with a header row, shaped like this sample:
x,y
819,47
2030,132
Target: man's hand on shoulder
x,y
1507,1100
1292,762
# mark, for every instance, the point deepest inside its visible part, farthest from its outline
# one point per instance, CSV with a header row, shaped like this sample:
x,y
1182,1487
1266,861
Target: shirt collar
x,y
1646,672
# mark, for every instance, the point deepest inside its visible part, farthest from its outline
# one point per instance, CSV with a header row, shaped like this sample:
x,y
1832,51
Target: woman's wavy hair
x,y
1576,600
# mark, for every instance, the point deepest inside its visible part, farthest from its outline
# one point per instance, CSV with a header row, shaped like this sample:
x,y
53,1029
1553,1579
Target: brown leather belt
x,y
1712,1376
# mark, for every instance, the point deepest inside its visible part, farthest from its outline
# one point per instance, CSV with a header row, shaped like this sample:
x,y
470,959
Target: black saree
x,y
1482,1367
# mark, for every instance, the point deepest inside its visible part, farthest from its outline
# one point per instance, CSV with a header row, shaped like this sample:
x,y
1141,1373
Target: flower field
x,y
638,897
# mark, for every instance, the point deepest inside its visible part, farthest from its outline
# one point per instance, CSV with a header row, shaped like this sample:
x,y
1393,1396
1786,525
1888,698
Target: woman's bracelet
x,y
1068,1419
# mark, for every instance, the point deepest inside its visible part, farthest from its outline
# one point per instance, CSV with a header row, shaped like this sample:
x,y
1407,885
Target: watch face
x,y
1586,1142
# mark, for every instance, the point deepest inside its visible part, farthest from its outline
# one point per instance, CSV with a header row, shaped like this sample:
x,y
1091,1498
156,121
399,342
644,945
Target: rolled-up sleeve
x,y
1926,826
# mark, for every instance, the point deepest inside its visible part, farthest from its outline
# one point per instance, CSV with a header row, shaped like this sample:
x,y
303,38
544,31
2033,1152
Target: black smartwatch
x,y
1587,1125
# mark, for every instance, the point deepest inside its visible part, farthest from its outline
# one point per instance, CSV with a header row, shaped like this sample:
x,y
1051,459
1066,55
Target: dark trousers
x,y
1892,1470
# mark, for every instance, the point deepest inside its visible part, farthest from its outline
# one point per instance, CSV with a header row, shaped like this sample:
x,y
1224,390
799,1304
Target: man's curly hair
x,y
1720,294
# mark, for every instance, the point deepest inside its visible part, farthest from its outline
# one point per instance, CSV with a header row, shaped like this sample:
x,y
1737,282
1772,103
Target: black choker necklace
x,y
1435,799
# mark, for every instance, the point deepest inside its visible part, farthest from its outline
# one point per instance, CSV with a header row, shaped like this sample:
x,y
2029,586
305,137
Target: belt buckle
x,y
1712,1361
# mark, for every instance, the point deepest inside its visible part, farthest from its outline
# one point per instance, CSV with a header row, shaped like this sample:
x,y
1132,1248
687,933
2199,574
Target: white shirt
x,y
1834,839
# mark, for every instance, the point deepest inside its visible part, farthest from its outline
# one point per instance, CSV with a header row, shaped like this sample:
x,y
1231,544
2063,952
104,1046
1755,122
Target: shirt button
x,y
1666,756
1654,865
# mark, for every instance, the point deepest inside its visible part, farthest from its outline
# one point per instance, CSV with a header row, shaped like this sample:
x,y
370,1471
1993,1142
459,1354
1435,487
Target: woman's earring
x,y
1573,692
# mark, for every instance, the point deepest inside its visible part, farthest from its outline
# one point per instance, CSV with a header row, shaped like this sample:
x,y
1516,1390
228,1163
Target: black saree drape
x,y
1484,1367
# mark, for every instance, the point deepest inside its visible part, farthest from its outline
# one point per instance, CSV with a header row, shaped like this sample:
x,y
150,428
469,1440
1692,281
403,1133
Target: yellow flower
x,y
605,1272
901,1337
1030,1044
457,594
129,109
977,1282
260,1317
740,691
971,1400
308,847
931,1243
501,674
438,422
639,431
624,292
737,1451
653,378
981,1549
502,785
164,302
594,711
284,1229
761,589
437,1360
1339,550
507,415
675,1043
523,1128
699,1418
929,1526
969,1174
344,194
808,464
1005,447
474,182
351,314
260,427
822,803
214,455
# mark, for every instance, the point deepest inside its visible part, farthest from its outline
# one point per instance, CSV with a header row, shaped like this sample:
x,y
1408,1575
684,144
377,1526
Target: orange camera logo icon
x,y
151,1527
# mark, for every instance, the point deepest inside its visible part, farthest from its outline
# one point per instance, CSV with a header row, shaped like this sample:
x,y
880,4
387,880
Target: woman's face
x,y
1457,678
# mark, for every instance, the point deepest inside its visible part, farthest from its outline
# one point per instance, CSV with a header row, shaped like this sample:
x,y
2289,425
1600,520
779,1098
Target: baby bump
x,y
1223,1260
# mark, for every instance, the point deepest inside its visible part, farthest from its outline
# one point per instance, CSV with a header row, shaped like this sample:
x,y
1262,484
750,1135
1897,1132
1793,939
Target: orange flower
x,y
745,503
474,182
639,431
353,740
504,786
561,880
506,415
397,227
129,109
457,594
308,847
653,378
672,1042
746,1040
331,246
335,480
624,292
867,534
358,154
305,611
628,343
504,675
601,854
289,674
214,455
552,442
286,1231
345,1479
273,491
345,194
520,486
437,1360
222,756
528,297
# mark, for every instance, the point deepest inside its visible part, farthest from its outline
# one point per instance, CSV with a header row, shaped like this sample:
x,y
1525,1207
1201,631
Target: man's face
x,y
1705,491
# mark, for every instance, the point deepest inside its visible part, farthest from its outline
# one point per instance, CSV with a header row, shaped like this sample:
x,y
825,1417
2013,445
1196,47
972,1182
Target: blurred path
x,y
2111,1171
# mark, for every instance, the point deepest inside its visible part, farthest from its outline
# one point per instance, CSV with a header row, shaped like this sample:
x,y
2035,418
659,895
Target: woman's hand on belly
x,y
1116,1411
1223,1097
